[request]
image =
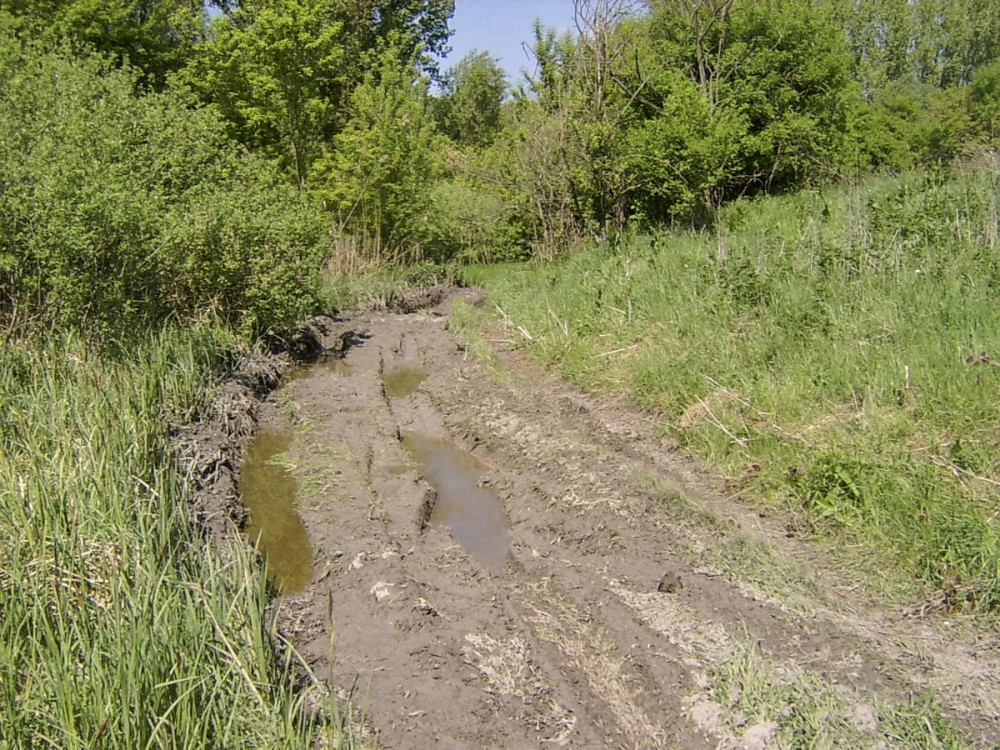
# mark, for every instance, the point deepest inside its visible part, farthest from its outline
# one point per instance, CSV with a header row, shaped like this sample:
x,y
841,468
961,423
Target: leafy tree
x,y
469,107
537,167
880,40
418,28
774,79
156,36
681,158
554,60
910,123
279,72
965,34
283,71
940,43
377,175
985,102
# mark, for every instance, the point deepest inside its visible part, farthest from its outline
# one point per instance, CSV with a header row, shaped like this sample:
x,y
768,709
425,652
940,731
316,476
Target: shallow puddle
x,y
338,367
402,380
474,516
334,365
268,492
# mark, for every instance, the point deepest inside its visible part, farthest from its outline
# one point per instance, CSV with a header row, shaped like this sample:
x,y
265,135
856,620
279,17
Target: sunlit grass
x,y
831,351
800,710
120,626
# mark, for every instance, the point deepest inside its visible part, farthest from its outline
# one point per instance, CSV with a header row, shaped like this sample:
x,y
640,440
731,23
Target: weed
x,y
800,711
841,341
119,626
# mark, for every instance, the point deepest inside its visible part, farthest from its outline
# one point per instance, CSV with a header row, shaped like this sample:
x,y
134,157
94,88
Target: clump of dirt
x,y
210,444
437,299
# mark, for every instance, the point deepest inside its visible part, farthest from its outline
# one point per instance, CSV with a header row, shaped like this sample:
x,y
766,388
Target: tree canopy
x,y
649,113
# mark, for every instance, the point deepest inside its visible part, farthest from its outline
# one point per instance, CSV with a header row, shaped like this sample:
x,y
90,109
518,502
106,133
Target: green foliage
x,y
653,119
678,157
418,29
120,627
155,36
469,223
774,81
538,168
378,175
468,108
831,350
940,43
283,71
279,72
984,94
908,124
554,59
119,209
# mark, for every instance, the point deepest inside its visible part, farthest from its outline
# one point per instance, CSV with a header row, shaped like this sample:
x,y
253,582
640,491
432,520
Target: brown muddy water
x,y
402,380
334,365
268,491
473,515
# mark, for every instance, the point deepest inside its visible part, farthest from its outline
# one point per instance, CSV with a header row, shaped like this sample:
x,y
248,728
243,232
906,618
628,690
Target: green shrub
x,y
985,102
468,223
117,209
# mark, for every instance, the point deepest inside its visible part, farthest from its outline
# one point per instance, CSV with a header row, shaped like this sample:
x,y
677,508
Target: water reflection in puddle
x,y
474,516
402,380
268,492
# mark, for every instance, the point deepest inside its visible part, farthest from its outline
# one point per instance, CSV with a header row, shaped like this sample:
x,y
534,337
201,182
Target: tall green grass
x,y
119,626
831,350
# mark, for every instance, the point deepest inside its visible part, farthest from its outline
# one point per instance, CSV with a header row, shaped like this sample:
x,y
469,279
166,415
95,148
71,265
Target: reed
x,y
120,626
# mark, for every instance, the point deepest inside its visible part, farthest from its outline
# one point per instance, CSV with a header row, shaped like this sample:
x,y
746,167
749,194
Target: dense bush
x,y
117,208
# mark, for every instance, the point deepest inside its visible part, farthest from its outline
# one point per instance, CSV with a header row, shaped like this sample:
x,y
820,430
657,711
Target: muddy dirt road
x,y
499,562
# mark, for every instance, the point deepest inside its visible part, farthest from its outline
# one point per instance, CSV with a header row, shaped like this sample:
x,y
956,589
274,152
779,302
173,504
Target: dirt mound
x,y
211,443
437,299
633,608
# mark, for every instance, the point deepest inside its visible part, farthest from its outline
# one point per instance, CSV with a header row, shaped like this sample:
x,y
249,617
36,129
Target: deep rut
x,y
572,643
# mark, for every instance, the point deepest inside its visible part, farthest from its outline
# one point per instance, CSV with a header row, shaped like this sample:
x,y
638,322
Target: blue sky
x,y
501,26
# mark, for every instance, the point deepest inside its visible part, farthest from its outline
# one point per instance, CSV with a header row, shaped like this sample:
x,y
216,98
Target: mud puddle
x,y
473,515
334,365
402,380
268,491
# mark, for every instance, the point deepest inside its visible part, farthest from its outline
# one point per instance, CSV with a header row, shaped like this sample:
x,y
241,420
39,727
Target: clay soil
x,y
630,585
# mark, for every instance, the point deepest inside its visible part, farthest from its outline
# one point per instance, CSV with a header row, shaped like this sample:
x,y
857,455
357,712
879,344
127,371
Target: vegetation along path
x,y
498,561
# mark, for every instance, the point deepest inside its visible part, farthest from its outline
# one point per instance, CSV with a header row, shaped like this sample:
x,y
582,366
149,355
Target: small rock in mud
x,y
670,583
426,607
381,591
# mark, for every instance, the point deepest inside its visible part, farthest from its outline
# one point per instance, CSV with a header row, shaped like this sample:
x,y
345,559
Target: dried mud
x,y
618,600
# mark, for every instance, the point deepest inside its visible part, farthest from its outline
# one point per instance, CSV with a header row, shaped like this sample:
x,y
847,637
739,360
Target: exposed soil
x,y
627,588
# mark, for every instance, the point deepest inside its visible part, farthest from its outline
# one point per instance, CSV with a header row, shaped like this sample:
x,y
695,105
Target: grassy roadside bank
x,y
119,627
829,351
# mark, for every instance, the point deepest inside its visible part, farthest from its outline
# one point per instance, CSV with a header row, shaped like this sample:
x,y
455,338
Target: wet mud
x,y
402,380
523,566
